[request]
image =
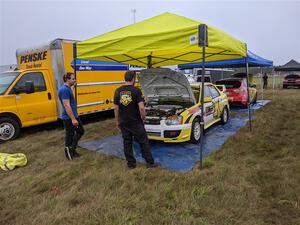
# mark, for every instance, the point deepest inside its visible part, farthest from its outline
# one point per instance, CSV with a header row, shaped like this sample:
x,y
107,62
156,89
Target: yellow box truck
x,y
28,96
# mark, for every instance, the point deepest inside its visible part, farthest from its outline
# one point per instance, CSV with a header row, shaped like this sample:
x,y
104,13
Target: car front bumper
x,y
169,133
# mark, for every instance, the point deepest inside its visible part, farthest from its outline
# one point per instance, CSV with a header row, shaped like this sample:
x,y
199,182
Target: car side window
x,y
38,81
207,92
214,92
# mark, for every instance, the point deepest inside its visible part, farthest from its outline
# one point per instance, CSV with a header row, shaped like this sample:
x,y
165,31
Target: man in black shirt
x,y
265,79
130,116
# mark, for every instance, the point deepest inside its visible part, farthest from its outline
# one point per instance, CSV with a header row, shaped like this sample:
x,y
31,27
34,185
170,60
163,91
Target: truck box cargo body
x,y
28,96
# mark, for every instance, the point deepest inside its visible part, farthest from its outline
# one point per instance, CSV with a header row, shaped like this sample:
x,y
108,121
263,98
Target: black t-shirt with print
x,y
127,98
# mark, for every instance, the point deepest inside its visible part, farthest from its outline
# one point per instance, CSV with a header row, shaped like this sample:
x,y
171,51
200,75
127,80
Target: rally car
x,y
173,106
236,90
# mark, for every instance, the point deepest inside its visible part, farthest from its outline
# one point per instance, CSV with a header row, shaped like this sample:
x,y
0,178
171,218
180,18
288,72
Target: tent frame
x,y
202,42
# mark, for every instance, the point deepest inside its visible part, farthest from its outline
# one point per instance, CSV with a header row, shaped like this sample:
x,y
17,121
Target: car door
x,y
37,107
208,106
215,101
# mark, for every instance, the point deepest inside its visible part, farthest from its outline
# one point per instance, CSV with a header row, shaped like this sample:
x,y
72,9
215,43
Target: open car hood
x,y
165,83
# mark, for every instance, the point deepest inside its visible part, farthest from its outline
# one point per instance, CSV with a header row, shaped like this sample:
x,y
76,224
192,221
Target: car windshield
x,y
292,76
230,83
6,79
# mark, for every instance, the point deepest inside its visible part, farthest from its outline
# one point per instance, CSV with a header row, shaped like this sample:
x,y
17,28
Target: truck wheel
x,y
225,115
196,131
9,129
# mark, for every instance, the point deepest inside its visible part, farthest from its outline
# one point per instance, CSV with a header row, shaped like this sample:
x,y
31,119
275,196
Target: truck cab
x,y
26,99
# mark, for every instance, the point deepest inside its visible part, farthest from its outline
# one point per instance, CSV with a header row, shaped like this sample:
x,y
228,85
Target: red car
x,y
291,80
236,90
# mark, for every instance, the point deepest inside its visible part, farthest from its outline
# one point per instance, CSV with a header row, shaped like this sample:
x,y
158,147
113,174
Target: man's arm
x,y
66,103
142,110
117,116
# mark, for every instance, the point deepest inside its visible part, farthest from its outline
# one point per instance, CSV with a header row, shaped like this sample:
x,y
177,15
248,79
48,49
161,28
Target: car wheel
x,y
225,115
284,86
9,129
196,131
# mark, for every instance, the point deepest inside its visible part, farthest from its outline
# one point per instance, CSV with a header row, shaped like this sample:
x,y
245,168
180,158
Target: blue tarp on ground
x,y
252,59
177,156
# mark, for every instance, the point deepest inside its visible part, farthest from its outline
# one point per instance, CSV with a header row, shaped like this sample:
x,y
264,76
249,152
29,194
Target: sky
x,y
270,28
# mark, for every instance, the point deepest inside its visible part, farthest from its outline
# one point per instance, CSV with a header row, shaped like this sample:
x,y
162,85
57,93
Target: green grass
x,y
254,179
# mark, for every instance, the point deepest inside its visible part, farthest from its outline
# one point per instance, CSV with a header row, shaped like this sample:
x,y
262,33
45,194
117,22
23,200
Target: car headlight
x,y
174,120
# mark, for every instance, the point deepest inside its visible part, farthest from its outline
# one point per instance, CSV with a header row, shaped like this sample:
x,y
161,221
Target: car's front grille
x,y
155,134
152,121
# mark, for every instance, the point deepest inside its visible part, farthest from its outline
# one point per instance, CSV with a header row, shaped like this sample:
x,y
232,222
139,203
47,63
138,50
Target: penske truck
x,y
28,95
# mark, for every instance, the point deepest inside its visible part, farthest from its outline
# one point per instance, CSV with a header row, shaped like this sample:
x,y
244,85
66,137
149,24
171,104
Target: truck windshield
x,y
6,79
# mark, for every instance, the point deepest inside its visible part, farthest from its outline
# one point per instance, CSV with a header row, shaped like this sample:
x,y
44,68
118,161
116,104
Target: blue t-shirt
x,y
65,92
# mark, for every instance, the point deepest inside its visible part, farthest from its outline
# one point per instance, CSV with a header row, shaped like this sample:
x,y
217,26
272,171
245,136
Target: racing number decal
x,y
209,110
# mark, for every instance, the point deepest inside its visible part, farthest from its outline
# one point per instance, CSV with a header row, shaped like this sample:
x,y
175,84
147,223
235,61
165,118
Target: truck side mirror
x,y
16,90
29,87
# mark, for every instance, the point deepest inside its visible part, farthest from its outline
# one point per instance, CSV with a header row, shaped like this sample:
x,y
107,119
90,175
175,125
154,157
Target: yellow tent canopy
x,y
167,39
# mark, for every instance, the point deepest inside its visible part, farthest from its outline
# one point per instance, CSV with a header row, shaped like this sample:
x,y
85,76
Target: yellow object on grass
x,y
10,161
167,39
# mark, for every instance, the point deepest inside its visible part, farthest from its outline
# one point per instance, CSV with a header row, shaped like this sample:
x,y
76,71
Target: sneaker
x,y
68,153
152,165
131,166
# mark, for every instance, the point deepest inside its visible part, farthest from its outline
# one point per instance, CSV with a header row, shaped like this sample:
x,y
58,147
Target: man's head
x,y
69,79
129,76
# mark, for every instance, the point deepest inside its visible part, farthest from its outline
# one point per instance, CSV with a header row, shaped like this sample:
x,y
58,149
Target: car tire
x,y
284,86
225,115
196,131
9,129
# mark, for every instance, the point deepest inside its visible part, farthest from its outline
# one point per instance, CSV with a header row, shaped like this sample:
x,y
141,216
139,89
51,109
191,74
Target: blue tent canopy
x,y
252,59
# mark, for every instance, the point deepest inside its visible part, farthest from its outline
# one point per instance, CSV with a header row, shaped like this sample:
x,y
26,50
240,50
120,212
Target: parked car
x,y
173,106
236,90
291,80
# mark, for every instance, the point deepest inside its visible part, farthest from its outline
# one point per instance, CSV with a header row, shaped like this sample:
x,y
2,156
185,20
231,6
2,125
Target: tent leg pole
x,y
248,96
273,84
202,107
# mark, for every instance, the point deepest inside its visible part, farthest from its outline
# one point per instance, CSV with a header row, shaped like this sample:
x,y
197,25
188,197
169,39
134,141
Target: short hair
x,y
129,75
67,76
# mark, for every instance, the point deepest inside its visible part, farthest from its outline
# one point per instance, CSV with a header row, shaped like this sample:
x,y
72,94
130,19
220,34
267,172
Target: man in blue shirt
x,y
73,126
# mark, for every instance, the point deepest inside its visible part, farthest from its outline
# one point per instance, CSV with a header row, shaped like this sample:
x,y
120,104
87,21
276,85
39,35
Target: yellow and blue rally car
x,y
173,106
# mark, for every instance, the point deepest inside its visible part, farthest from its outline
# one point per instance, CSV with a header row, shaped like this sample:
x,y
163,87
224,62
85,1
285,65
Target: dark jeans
x,y
265,85
139,133
73,134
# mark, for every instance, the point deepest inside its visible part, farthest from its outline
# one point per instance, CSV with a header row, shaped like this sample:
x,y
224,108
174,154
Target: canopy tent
x,y
292,65
164,40
252,59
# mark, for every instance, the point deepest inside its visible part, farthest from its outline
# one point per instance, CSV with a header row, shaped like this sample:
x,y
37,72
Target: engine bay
x,y
163,111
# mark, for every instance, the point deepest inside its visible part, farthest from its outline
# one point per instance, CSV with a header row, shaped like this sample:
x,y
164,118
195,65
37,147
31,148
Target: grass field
x,y
254,179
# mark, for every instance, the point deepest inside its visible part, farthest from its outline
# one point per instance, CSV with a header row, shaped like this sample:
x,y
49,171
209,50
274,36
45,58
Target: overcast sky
x,y
270,28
